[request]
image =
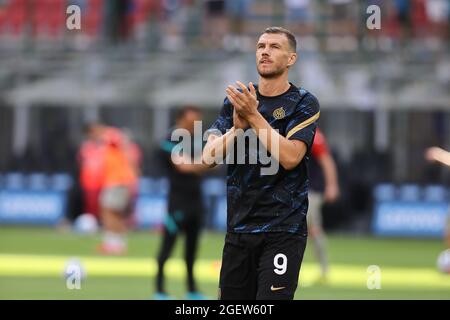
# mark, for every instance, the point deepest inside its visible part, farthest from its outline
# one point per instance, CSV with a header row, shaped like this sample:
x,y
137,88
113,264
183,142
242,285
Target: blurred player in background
x,y
91,160
440,155
134,154
116,198
266,222
185,211
324,187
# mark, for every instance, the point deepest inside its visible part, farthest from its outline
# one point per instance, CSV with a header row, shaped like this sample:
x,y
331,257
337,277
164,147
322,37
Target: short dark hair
x,y
290,36
181,112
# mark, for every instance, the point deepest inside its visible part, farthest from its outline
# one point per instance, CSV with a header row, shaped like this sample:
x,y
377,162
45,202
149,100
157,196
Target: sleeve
x,y
303,123
225,120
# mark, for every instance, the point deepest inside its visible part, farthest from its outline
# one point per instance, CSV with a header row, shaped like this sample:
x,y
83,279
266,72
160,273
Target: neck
x,y
273,87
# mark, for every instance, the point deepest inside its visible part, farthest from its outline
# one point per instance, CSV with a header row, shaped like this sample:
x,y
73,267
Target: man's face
x,y
273,55
187,122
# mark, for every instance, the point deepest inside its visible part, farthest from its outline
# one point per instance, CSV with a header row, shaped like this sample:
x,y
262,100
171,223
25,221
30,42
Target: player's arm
x,y
439,155
180,161
289,152
328,166
217,148
187,165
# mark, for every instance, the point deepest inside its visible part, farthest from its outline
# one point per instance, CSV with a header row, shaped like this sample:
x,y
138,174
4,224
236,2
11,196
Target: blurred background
x,y
384,97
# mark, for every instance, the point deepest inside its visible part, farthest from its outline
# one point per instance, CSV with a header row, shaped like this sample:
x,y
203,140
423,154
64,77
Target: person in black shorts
x,y
266,219
185,210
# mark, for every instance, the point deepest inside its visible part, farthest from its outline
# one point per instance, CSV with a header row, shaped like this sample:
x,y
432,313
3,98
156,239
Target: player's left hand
x,y
245,102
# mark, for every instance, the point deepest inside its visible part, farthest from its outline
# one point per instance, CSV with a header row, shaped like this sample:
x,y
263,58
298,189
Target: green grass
x,y
407,266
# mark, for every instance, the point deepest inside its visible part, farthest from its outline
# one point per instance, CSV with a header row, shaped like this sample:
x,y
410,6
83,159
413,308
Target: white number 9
x,y
280,268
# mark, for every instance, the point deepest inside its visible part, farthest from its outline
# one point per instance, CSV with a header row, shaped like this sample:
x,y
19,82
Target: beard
x,y
270,74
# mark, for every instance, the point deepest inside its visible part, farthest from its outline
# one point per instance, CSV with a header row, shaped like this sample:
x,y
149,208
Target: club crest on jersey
x,y
279,113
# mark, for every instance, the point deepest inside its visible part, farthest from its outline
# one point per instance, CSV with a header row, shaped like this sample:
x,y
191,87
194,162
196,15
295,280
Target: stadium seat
x,y
140,11
40,19
37,181
61,182
57,18
384,192
409,192
435,193
93,17
17,17
14,181
3,21
49,18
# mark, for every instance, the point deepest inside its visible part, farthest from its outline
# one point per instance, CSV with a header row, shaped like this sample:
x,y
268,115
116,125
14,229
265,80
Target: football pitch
x,y
32,262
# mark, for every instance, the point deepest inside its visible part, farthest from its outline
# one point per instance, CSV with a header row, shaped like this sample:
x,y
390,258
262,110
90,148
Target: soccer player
x,y
120,179
266,220
440,155
185,211
324,187
90,159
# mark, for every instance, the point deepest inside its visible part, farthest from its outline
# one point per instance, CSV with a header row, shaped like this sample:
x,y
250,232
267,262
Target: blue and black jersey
x,y
277,202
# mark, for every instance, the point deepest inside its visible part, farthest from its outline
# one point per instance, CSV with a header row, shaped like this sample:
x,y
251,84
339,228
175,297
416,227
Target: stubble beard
x,y
272,74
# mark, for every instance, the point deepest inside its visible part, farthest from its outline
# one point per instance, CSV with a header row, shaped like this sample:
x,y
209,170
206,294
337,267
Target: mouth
x,y
265,61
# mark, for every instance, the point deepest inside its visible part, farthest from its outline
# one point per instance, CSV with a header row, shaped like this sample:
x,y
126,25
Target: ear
x,y
292,59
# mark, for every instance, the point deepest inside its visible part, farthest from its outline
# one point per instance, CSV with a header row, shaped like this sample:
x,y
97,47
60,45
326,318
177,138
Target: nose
x,y
265,53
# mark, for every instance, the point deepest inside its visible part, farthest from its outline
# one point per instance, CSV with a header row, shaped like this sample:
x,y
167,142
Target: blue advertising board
x,y
32,207
410,218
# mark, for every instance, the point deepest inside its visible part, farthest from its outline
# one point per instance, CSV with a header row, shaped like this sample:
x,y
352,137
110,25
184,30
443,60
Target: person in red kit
x,y
134,154
91,159
324,187
119,182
